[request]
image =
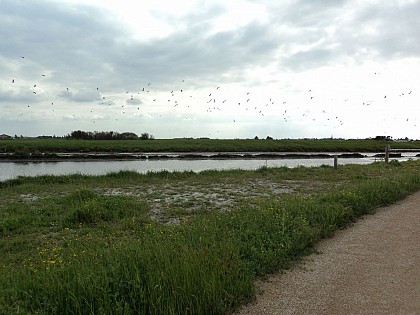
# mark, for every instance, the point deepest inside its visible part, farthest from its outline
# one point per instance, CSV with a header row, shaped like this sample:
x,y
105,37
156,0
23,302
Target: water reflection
x,y
9,170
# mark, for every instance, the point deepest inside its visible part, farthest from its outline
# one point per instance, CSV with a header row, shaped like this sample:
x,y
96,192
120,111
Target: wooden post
x,y
387,149
335,161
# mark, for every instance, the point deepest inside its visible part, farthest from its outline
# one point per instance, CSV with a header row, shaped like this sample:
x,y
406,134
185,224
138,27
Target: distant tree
x,y
256,138
269,138
144,136
128,136
78,134
388,138
106,135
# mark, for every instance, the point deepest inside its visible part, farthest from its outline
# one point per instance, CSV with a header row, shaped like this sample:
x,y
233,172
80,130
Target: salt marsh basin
x,y
196,162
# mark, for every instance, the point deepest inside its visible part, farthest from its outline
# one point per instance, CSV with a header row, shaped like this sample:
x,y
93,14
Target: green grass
x,y
37,147
67,247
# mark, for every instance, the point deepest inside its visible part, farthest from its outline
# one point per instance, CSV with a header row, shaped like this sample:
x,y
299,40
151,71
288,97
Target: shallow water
x,y
10,170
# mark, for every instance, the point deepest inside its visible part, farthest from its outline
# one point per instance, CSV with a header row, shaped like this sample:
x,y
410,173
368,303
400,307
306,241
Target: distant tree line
x,y
387,138
107,135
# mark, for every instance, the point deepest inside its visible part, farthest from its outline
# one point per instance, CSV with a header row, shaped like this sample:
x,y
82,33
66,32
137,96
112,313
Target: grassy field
x,y
24,146
173,242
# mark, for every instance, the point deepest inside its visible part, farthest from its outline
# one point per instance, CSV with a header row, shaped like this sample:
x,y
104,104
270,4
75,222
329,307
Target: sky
x,y
217,69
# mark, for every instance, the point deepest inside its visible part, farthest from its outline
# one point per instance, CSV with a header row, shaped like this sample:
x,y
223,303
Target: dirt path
x,y
373,267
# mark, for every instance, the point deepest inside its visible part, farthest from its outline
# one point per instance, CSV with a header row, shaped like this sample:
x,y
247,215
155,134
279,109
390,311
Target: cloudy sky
x,y
211,68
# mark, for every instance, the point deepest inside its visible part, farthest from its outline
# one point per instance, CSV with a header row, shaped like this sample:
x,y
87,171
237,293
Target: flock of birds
x,y
217,99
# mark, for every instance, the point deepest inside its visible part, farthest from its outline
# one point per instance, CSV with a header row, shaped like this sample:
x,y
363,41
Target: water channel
x,y
10,169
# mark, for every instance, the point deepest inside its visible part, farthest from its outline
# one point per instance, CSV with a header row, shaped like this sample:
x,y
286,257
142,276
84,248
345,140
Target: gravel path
x,y
373,267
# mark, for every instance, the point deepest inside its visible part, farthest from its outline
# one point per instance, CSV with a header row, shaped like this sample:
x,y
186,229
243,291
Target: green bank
x,y
26,146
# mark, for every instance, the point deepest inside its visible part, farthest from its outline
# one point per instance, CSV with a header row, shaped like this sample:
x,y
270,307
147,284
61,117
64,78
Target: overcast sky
x,y
218,69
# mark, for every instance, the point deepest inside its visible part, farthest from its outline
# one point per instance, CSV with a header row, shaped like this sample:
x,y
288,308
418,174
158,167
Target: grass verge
x,y
81,252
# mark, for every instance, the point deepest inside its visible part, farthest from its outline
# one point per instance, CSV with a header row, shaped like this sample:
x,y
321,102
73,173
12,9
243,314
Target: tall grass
x,y
112,262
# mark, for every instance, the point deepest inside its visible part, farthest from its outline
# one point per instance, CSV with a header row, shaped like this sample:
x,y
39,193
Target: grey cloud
x,y
396,30
381,31
81,96
18,95
69,41
79,45
302,14
308,59
133,101
197,54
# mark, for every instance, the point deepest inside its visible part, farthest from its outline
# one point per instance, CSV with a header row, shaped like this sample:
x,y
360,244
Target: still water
x,y
10,170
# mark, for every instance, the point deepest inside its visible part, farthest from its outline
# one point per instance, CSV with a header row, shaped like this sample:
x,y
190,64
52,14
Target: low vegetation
x,y
173,242
54,145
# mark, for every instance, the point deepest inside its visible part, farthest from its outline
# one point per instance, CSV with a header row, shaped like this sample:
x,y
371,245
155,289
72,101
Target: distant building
x,y
4,137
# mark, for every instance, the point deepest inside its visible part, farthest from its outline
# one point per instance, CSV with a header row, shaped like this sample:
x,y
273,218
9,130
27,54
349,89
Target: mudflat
x,y
371,267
